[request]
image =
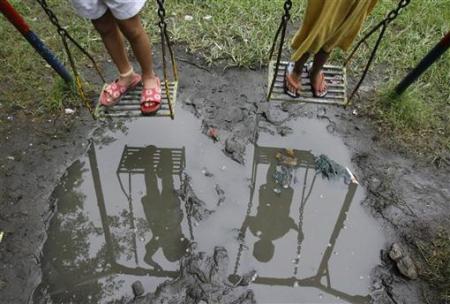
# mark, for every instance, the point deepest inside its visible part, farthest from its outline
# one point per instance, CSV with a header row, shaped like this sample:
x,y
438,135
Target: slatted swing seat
x,y
336,77
129,105
133,158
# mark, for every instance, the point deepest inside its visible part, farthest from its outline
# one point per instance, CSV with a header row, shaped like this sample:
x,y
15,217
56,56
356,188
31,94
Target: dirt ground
x,y
409,198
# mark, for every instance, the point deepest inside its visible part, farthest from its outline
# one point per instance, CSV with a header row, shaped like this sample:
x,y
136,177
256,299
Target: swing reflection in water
x,y
162,208
125,245
161,205
273,223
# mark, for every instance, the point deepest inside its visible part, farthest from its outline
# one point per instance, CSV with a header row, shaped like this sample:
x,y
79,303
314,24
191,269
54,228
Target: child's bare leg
x,y
114,43
317,79
134,31
293,82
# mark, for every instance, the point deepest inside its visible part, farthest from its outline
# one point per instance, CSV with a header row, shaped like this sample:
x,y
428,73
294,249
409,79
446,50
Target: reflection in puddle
x,y
120,219
273,221
161,204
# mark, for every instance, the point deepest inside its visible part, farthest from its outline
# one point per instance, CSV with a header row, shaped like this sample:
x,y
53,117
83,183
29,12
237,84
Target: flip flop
x,y
288,70
113,92
151,99
314,91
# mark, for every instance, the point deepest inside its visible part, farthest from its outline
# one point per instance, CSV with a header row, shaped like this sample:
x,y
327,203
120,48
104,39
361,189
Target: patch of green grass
x,y
437,259
240,33
27,82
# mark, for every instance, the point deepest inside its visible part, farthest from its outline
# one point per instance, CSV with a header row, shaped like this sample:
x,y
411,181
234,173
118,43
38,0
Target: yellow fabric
x,y
329,24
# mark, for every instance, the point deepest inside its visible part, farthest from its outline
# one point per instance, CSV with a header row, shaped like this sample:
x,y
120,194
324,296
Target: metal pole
x,y
19,23
426,62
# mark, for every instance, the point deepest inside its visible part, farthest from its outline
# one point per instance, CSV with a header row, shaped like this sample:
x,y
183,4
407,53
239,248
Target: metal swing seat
x,y
336,77
129,105
306,160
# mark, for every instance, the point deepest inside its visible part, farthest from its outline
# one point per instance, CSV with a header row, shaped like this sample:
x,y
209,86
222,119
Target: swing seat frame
x,y
336,77
129,105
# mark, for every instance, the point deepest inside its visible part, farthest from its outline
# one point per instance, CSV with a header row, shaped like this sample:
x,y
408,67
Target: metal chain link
x,y
64,33
165,42
65,37
287,10
390,17
281,30
303,202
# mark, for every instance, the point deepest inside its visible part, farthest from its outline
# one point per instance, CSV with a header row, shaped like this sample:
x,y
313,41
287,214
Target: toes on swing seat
x,y
335,76
130,104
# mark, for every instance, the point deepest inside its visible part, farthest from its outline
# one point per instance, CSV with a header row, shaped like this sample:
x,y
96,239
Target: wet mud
x,y
131,207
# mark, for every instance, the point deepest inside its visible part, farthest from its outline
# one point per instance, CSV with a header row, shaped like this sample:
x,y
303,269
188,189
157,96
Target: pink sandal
x,y
113,92
151,99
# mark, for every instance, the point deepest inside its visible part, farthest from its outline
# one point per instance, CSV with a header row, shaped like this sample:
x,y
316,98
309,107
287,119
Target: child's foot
x,y
292,82
319,85
112,92
151,82
151,95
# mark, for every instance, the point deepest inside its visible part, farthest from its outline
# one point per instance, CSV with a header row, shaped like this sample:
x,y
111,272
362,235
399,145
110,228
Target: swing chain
x,y
65,37
287,10
394,13
165,42
391,16
64,34
281,30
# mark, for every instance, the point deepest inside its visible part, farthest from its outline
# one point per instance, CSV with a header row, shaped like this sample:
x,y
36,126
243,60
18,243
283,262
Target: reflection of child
x,y
327,24
111,19
163,213
272,220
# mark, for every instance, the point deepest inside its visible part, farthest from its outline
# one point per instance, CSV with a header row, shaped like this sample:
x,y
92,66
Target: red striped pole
x,y
20,24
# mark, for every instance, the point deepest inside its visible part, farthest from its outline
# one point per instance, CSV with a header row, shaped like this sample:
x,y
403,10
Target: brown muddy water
x,y
118,218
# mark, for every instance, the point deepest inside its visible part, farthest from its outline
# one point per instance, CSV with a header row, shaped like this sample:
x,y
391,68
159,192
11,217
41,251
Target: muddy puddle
x,y
120,219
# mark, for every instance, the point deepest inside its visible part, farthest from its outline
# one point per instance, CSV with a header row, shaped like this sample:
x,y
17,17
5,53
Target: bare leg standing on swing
x,y
316,75
111,30
319,85
294,79
140,43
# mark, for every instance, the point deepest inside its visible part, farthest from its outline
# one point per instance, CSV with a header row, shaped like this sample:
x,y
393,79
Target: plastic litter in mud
x,y
1,236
